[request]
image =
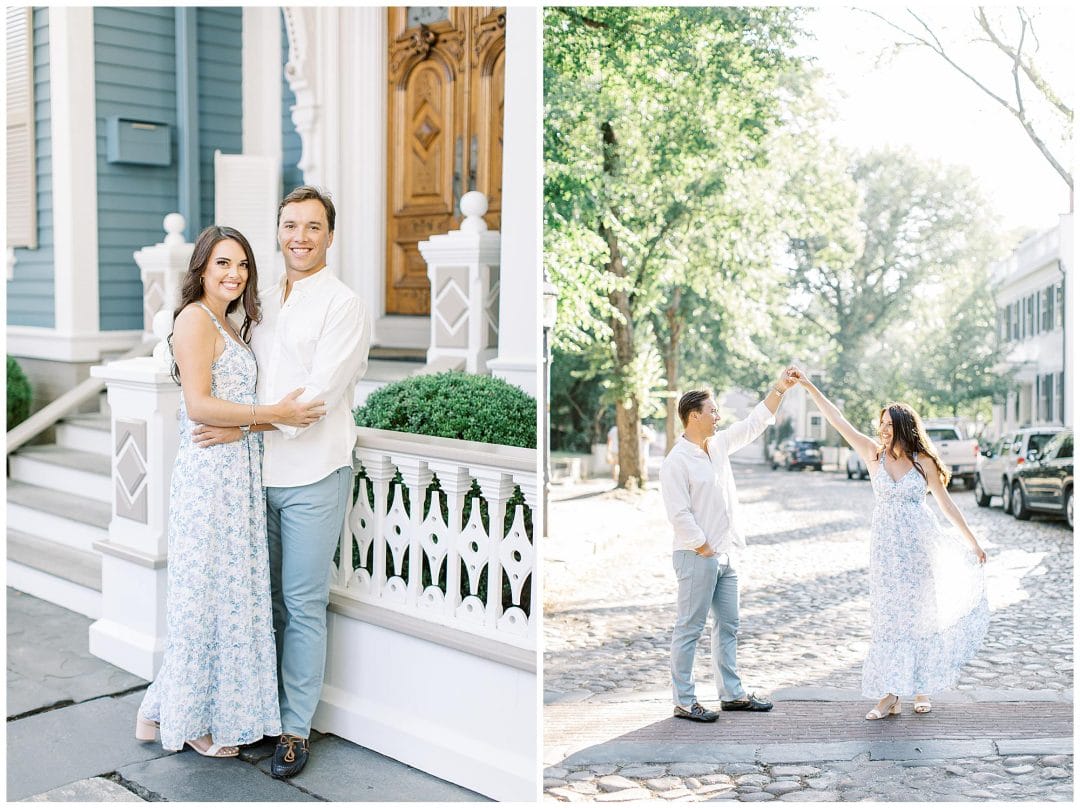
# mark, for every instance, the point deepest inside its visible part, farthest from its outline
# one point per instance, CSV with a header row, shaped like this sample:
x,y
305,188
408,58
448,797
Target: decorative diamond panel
x,y
130,494
426,133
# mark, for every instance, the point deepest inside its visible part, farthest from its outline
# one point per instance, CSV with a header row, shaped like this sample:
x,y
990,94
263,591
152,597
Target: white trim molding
x,y
74,170
82,346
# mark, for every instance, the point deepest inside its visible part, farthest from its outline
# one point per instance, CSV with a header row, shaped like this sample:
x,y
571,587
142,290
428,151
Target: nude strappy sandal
x,y
922,705
206,748
893,709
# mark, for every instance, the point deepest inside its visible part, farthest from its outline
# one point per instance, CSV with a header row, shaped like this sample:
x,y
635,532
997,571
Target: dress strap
x,y
206,308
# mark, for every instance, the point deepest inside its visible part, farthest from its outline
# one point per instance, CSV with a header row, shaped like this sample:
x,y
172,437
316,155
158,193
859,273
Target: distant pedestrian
x,y
928,608
699,495
647,438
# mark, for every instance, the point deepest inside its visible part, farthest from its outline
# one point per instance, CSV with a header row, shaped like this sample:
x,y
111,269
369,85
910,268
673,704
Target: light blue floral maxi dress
x,y
928,609
219,674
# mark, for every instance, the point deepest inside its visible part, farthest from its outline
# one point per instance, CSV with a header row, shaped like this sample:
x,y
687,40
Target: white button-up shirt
x,y
317,339
699,488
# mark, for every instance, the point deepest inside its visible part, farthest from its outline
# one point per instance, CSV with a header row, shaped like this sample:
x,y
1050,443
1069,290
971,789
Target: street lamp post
x,y
551,309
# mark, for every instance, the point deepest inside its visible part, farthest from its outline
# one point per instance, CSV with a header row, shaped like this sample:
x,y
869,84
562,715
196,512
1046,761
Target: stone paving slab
x,y
58,747
94,789
341,771
48,658
797,731
189,777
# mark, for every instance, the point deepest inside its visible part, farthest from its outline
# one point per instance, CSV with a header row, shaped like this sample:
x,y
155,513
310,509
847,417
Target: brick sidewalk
x,y
803,730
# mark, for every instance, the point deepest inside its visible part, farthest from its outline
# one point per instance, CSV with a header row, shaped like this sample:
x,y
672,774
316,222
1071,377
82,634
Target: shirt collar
x,y
304,284
688,445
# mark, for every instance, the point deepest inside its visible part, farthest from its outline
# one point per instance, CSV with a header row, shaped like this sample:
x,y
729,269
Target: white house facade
x,y
1033,294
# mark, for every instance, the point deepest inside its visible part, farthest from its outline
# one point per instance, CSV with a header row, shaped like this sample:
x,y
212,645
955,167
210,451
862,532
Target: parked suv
x,y
1046,482
995,470
797,454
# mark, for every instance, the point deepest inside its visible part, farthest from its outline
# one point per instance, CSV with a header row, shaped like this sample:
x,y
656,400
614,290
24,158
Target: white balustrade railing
x,y
416,540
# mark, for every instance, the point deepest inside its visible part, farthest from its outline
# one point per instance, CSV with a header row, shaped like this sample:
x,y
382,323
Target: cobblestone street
x,y
609,605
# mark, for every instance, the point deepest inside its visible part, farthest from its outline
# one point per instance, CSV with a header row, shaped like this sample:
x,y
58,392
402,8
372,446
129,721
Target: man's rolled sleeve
x,y
675,489
341,358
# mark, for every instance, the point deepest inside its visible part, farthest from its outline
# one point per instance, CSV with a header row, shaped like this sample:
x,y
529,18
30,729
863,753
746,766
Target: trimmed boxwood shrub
x,y
454,405
18,394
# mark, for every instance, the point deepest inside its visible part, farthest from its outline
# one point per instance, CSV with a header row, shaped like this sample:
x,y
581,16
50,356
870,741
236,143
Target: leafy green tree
x,y
955,371
650,116
915,222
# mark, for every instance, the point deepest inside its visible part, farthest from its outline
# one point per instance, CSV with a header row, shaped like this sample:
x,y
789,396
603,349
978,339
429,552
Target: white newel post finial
x,y
143,400
473,206
463,268
162,267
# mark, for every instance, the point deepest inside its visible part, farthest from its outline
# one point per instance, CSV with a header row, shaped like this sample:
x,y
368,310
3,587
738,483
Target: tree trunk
x,y
671,369
627,408
627,415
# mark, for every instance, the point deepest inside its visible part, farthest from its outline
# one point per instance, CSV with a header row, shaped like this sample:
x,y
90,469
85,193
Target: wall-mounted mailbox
x,y
140,142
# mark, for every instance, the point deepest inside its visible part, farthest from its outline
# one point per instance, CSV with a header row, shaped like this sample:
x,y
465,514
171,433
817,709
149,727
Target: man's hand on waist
x,y
704,550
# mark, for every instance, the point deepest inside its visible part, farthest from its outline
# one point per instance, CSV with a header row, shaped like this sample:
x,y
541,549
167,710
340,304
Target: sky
x,y
916,99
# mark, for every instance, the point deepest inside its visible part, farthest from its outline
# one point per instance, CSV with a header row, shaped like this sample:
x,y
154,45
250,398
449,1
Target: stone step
x,y
68,577
67,519
63,470
86,433
67,594
68,563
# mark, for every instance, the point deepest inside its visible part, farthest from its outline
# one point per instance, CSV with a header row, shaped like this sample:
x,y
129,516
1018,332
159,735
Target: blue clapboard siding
x,y
134,77
220,83
30,293
290,140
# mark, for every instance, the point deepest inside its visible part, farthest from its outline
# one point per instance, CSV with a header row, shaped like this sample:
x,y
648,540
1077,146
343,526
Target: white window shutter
x,y
246,195
21,174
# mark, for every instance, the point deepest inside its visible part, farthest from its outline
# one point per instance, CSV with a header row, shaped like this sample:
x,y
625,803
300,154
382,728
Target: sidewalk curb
x,y
628,752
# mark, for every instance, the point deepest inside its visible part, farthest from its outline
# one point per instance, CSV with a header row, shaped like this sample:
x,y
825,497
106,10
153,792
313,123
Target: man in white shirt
x,y
314,334
699,495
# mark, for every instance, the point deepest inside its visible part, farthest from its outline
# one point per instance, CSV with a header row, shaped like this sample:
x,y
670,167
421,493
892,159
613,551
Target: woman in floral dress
x,y
928,608
217,686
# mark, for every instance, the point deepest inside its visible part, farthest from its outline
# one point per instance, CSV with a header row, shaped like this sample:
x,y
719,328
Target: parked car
x,y
995,469
1045,483
856,467
797,454
957,453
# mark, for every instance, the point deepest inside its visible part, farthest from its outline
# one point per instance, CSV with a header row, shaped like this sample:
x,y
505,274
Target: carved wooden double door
x,y
445,130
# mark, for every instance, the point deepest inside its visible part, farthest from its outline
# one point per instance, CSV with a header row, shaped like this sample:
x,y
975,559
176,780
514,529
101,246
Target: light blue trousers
x,y
303,526
705,584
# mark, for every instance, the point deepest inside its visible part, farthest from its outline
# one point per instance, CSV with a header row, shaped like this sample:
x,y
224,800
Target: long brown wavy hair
x,y
909,432
191,290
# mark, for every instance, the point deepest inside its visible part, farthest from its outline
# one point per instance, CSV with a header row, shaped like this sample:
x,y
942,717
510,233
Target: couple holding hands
x,y
928,607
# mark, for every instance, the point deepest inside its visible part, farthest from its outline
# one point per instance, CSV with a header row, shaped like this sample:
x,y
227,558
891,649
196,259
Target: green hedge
x,y
458,405
18,394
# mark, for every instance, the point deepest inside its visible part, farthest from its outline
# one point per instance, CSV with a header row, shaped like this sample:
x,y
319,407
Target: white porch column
x,y
74,171
363,166
521,220
463,268
262,73
144,400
